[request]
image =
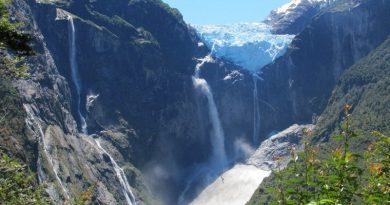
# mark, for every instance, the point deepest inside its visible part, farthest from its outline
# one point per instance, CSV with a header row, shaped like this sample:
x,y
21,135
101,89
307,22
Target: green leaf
x,y
338,137
291,191
324,201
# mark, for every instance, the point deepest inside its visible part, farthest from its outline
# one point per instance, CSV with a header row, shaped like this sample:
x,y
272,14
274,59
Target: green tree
x,y
18,185
377,160
14,45
339,177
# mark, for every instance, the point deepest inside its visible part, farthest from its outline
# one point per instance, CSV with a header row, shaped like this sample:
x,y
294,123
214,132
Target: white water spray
x,y
217,138
30,121
126,189
74,71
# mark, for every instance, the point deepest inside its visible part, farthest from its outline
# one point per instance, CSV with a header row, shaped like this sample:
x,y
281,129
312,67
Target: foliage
x,y
13,66
85,197
12,52
164,6
17,185
14,45
377,159
366,85
339,177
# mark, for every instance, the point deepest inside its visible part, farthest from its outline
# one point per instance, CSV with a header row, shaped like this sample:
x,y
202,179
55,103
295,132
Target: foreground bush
x,y
341,176
17,185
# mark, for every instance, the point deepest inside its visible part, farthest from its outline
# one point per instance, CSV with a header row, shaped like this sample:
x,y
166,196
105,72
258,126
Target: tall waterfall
x,y
74,71
126,189
217,139
218,161
54,164
256,110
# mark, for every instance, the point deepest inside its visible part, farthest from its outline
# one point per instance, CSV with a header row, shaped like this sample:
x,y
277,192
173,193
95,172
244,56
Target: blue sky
x,y
224,11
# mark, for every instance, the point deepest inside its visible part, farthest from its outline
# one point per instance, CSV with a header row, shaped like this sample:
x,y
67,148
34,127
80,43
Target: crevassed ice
x,y
250,45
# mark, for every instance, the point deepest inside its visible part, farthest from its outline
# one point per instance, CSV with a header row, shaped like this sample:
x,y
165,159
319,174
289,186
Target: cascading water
x,y
126,189
205,173
256,110
249,45
217,139
30,121
75,72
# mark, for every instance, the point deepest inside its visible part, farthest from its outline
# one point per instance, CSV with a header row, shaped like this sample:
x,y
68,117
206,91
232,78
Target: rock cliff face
x,y
65,160
306,75
365,86
279,146
135,63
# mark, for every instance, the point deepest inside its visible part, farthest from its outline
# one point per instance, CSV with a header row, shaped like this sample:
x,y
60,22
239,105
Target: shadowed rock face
x,y
136,59
317,57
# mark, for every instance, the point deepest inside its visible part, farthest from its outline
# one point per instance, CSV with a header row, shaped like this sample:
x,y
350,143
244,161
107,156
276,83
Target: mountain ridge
x,y
293,17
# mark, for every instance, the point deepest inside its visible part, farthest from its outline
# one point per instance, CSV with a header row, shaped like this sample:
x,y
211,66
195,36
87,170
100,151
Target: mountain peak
x,y
293,4
292,17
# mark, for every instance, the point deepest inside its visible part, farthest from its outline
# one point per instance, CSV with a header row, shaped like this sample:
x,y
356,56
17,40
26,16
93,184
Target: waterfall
x,y
256,110
205,173
30,121
74,71
217,138
126,189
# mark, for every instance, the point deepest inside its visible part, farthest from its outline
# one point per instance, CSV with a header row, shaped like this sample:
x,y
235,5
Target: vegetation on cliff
x,y
17,184
341,176
337,172
353,166
366,86
14,45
